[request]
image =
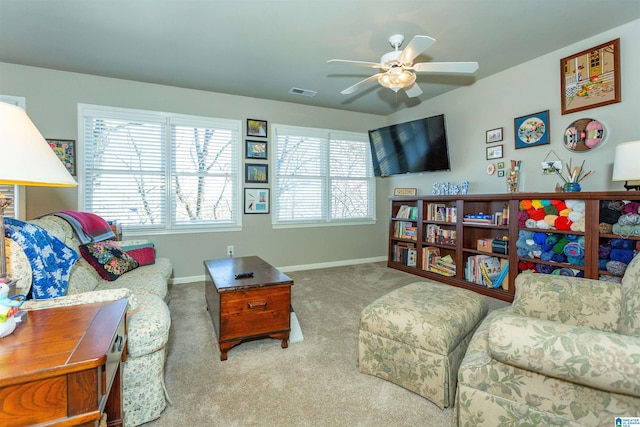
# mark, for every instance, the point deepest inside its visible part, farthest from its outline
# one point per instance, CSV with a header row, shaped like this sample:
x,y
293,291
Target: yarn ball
x,y
561,205
571,203
540,238
565,212
552,239
523,216
622,244
571,237
575,260
559,257
536,214
544,268
525,204
530,223
602,264
563,223
573,250
609,212
559,247
550,220
546,255
626,230
536,204
525,265
575,216
550,210
605,228
604,252
629,219
622,255
542,224
614,205
580,273
631,208
578,225
616,268
579,206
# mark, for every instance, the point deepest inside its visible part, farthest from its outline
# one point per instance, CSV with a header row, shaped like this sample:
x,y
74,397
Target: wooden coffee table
x,y
247,308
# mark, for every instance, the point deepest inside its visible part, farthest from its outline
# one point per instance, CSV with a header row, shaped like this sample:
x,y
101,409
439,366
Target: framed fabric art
x,y
532,130
65,149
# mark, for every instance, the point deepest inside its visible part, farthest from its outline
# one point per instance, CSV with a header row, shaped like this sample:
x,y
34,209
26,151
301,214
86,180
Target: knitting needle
x,y
586,175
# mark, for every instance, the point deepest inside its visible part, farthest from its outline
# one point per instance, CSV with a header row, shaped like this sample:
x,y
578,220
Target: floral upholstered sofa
x,y
148,318
565,353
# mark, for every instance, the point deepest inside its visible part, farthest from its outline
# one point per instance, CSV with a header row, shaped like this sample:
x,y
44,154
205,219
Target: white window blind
x,y
322,176
9,191
159,171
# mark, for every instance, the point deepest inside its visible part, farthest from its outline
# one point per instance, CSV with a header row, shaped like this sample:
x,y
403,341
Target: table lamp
x,y
625,164
27,159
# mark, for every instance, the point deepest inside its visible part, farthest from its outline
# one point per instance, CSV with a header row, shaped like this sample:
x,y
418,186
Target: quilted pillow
x,y
109,260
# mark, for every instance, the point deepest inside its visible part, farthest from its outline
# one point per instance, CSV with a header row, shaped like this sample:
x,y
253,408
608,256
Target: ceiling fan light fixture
x,y
397,78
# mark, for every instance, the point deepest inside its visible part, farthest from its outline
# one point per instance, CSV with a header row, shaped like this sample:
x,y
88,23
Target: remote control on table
x,y
244,275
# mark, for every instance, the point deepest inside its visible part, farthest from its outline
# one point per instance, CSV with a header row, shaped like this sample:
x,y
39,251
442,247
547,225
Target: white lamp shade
x,y
25,156
626,163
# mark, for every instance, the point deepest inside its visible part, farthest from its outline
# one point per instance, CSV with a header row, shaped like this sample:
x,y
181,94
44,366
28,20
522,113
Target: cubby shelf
x,y
459,238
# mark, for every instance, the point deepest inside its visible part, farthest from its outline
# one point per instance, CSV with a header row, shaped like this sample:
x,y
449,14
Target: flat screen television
x,y
410,147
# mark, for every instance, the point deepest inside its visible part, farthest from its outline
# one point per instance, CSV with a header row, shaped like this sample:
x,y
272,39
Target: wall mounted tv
x,y
410,147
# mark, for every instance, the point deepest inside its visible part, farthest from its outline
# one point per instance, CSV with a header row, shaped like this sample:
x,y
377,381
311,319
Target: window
x,y
160,171
10,191
322,177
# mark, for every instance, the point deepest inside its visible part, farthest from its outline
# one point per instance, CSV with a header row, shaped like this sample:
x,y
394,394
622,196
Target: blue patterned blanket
x,y
50,259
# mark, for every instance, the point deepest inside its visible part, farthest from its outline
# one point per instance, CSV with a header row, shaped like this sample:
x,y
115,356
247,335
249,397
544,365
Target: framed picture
x,y
500,165
257,128
256,200
532,130
500,173
65,149
405,191
256,149
494,135
494,152
254,172
590,78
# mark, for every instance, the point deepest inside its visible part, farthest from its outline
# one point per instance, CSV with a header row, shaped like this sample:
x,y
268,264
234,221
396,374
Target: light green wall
x,y
52,99
529,88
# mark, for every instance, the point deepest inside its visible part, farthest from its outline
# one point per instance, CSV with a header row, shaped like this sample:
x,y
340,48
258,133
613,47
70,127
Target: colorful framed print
x,y
256,200
532,130
256,149
65,149
257,173
257,128
590,78
494,152
494,135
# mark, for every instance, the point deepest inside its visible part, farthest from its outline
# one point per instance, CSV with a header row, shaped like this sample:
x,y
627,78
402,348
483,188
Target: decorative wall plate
x,y
583,135
491,169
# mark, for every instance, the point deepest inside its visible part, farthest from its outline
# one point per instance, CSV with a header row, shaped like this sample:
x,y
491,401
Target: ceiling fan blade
x,y
446,67
413,91
416,46
361,83
363,63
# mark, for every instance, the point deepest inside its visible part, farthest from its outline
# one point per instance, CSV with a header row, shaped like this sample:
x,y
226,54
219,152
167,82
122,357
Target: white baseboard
x,y
286,269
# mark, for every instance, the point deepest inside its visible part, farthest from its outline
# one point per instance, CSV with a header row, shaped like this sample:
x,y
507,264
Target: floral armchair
x,y
565,353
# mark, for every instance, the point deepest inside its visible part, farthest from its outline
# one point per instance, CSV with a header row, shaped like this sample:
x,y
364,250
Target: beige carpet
x,y
314,382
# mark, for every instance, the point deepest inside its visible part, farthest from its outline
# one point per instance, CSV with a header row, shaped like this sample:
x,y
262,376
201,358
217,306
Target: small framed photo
x,y
257,128
405,191
494,135
257,173
532,130
501,173
590,78
256,200
500,165
65,149
494,152
256,149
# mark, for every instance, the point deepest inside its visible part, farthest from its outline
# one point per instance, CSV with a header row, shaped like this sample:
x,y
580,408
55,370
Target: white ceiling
x,y
262,49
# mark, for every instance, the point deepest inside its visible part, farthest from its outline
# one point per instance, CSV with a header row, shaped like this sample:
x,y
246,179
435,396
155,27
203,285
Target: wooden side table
x,y
61,366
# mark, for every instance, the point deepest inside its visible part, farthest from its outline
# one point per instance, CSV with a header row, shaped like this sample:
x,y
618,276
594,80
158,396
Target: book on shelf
x,y
429,255
405,253
405,230
486,270
404,212
478,218
444,265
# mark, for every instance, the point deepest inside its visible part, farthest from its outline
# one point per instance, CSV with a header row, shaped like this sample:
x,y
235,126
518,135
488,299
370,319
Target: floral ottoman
x,y
417,335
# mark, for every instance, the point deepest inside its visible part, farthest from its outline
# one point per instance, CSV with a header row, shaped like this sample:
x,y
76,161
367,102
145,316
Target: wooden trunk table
x,y
247,308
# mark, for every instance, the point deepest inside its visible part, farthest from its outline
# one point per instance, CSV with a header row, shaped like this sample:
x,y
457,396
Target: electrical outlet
x,y
230,251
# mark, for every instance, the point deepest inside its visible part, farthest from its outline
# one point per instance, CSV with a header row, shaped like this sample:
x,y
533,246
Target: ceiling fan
x,y
398,70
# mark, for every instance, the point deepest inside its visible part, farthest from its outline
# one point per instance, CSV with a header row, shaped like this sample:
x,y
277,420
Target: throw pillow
x,y
108,259
143,252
